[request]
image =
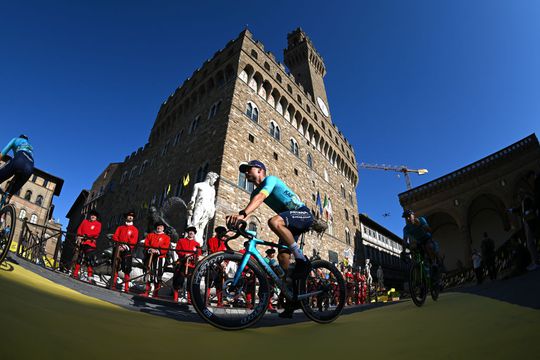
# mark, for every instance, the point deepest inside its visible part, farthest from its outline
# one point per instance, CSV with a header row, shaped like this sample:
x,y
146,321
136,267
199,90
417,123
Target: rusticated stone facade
x,y
243,104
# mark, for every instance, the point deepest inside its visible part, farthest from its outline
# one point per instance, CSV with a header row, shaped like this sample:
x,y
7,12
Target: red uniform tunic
x,y
158,241
186,247
215,245
89,229
127,234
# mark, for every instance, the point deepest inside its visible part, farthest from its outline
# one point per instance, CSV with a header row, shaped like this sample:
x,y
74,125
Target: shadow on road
x,y
523,290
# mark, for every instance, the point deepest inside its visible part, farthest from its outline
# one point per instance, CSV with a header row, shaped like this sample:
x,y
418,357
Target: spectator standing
x,y
87,234
125,238
188,251
488,256
156,246
380,278
477,266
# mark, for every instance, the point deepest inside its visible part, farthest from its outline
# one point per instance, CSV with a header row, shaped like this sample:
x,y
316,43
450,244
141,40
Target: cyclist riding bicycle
x,y
21,166
292,220
418,233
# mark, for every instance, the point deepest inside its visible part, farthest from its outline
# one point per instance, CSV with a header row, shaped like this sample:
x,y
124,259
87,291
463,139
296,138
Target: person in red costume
x,y
362,286
349,281
156,246
216,244
87,234
125,238
188,251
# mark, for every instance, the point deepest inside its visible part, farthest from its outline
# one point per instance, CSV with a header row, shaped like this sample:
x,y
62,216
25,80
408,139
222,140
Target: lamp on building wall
x,y
456,202
503,183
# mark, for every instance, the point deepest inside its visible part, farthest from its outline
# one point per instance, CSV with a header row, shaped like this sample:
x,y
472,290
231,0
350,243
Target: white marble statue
x,y
367,269
202,206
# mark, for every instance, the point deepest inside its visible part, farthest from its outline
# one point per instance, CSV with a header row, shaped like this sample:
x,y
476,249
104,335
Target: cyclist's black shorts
x,y
297,221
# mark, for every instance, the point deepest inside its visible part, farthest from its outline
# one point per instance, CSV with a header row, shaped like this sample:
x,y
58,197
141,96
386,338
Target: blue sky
x,y
428,84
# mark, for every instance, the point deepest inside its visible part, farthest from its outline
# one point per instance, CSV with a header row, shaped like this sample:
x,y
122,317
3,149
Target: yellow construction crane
x,y
402,169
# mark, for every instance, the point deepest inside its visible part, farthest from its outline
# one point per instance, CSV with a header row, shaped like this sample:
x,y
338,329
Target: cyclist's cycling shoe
x,y
301,269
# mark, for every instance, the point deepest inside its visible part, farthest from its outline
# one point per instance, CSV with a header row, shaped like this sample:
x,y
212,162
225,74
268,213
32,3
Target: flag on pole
x,y
325,207
319,203
329,210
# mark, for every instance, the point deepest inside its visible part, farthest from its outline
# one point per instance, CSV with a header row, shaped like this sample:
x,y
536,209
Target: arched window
x,y
346,215
294,147
274,131
201,173
243,76
33,219
22,214
353,220
326,175
213,110
252,112
194,124
28,195
347,236
177,138
342,191
351,198
133,172
39,200
309,161
144,166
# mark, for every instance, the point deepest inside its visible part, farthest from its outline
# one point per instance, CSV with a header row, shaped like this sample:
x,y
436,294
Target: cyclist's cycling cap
x,y
253,163
93,212
406,213
23,136
129,213
191,228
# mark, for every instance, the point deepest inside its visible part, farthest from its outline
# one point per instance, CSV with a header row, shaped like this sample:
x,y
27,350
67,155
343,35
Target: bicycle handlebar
x,y
240,230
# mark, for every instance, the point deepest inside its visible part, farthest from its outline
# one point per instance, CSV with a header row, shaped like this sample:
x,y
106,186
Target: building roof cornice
x,y
470,171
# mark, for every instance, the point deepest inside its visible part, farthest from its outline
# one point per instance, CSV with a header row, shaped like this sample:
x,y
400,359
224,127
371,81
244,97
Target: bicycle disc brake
x,y
230,290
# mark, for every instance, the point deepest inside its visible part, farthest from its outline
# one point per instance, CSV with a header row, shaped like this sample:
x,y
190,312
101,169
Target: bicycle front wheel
x,y
417,284
7,230
329,292
222,304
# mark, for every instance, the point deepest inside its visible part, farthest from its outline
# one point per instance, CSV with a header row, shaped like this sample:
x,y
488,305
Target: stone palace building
x,y
243,104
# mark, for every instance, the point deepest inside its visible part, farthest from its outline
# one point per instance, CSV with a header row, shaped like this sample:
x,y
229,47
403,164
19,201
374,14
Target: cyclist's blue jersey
x,y
417,232
18,144
279,197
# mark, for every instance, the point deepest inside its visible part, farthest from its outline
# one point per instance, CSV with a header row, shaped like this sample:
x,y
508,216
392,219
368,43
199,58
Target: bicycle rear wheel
x,y
220,303
326,306
7,230
417,285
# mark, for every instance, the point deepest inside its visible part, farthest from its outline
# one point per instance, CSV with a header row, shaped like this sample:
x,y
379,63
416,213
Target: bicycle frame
x,y
251,250
419,259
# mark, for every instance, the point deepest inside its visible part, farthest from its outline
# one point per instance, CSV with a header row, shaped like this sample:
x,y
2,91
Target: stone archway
x,y
487,214
446,232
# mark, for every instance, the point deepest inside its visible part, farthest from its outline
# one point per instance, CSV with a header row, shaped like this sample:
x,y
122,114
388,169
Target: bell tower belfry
x,y
307,67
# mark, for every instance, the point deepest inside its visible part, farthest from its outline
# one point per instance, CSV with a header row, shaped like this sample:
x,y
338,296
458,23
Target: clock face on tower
x,y
322,106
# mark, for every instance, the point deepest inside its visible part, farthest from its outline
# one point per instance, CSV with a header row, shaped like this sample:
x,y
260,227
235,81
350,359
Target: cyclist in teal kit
x,y
21,166
293,216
